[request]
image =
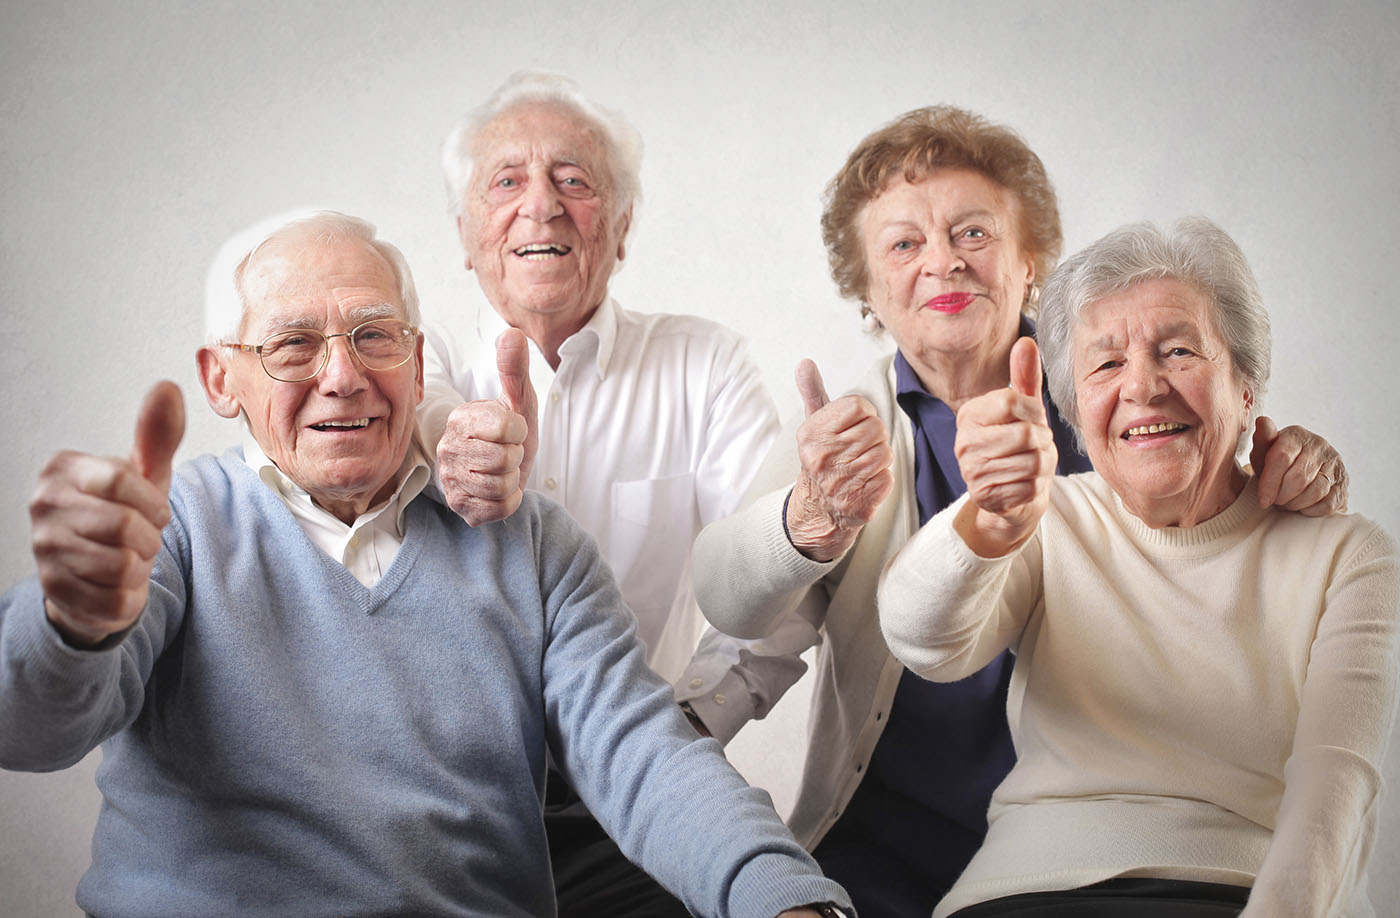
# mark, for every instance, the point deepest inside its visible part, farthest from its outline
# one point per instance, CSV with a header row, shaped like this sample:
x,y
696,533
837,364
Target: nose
x,y
343,374
941,259
1143,381
540,201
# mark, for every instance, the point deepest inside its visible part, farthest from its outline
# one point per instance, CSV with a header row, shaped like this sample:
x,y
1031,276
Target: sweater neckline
x,y
1205,538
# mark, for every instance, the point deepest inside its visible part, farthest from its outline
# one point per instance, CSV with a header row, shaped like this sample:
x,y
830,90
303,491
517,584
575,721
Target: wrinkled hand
x,y
96,524
1298,470
485,454
1006,453
845,454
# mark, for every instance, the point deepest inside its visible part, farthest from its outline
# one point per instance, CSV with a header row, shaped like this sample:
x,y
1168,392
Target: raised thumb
x,y
810,386
513,365
1025,368
160,426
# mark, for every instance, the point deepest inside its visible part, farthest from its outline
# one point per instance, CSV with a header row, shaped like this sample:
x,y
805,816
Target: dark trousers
x,y
1125,898
592,877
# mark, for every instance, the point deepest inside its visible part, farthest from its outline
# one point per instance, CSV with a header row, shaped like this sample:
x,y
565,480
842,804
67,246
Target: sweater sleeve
x,y
1327,818
57,702
669,798
944,611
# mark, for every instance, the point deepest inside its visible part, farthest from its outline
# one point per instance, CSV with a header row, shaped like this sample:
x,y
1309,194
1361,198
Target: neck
x,y
1194,508
954,380
352,507
549,333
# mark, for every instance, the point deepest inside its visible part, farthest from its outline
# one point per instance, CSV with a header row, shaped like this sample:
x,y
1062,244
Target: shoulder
x,y
677,330
878,385
1083,496
210,480
1349,538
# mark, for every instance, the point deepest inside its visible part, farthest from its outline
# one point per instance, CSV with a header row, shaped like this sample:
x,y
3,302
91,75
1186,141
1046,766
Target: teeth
x,y
540,251
1155,428
358,422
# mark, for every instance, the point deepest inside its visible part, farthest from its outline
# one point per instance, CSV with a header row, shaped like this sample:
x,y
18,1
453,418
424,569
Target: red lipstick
x,y
950,303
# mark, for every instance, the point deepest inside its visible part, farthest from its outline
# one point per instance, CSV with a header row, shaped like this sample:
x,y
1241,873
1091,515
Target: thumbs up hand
x,y
96,525
1006,453
845,476
485,454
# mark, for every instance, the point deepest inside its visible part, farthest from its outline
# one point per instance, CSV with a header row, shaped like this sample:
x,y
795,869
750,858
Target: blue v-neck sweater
x,y
280,740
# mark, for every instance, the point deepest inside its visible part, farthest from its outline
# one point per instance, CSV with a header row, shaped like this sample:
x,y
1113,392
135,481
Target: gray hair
x,y
225,300
622,143
1194,251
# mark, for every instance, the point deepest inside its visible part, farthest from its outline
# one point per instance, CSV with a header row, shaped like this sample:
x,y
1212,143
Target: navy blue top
x,y
920,812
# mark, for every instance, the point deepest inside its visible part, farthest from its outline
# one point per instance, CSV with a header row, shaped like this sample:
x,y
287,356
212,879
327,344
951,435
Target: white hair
x,y
1194,251
225,300
622,143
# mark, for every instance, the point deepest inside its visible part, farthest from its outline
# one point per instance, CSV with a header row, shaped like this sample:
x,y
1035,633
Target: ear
x,y
214,377
466,248
418,372
624,224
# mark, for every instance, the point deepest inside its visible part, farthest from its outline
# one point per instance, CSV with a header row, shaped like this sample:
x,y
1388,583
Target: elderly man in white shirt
x,y
648,424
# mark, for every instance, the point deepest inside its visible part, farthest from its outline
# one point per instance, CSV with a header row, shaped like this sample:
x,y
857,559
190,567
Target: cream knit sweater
x,y
1205,704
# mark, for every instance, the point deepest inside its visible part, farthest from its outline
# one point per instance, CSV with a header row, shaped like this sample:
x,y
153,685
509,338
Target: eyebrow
x,y
356,315
1112,341
979,214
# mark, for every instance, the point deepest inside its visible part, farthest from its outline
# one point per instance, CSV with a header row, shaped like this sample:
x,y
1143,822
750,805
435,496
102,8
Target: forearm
x,y
668,797
945,611
730,682
1327,817
747,574
1326,828
57,702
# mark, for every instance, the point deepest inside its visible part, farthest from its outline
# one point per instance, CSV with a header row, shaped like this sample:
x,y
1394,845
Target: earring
x,y
1032,296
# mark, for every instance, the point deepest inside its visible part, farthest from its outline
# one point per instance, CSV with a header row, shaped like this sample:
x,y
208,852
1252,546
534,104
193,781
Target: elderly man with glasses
x,y
318,691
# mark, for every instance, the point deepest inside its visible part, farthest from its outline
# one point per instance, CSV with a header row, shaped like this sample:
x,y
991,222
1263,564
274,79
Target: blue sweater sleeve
x,y
58,702
670,798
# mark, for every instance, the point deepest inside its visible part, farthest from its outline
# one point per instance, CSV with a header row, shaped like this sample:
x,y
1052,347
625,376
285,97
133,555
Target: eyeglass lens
x,y
297,355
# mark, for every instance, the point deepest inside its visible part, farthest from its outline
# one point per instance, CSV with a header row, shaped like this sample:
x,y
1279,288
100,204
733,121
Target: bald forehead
x,y
295,277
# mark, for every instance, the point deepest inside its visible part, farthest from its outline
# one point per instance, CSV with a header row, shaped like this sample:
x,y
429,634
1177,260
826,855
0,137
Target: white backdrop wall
x,y
138,135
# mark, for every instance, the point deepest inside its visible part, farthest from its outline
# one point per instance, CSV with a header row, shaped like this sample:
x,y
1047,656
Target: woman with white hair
x,y
1203,689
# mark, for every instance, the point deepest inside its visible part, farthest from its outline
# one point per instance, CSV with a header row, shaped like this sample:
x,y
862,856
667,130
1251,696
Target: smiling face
x,y
947,274
1160,405
342,434
540,226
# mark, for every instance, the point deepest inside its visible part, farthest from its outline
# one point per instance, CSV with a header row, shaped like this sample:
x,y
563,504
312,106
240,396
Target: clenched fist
x,y
485,454
1006,453
845,453
96,525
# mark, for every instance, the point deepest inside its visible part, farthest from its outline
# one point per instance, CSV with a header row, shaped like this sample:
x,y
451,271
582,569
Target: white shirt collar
x,y
413,476
600,331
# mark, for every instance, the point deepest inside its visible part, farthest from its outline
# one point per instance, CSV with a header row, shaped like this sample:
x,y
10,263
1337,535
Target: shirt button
x,y
696,683
719,699
554,396
551,483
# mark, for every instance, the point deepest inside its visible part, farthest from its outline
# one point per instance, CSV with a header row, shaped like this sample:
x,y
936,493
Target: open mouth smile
x,y
540,251
1147,430
353,424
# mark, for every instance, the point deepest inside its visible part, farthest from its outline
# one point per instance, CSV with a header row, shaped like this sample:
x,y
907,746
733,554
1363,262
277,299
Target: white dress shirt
x,y
367,546
651,427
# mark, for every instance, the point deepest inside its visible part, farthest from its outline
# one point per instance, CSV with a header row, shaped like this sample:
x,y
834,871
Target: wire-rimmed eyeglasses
x,y
299,354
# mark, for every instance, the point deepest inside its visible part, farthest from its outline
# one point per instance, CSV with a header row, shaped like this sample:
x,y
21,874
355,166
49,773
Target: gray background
x,y
138,135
